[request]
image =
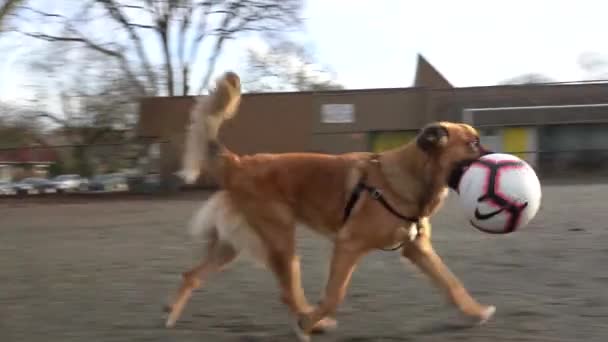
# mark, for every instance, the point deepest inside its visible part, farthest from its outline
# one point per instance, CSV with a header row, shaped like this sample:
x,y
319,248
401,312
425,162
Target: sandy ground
x,y
100,271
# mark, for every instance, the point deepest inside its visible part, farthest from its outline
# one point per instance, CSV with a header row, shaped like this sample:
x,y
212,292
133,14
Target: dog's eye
x,y
475,143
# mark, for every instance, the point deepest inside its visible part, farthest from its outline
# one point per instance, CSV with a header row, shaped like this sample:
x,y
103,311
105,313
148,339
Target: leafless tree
x,y
96,102
18,127
595,65
286,66
529,78
135,33
7,8
94,97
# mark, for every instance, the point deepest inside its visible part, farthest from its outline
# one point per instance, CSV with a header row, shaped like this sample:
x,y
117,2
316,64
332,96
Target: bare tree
x,y
7,8
134,33
595,65
96,103
286,66
90,90
19,127
529,78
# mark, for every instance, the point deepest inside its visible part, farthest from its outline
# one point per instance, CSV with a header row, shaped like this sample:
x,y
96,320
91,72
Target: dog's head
x,y
452,145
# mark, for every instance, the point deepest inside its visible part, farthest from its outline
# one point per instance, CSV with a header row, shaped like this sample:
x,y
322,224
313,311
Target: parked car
x,y
144,183
71,183
35,185
7,188
109,182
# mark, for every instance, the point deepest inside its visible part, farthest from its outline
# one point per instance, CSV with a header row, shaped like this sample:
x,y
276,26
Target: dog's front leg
x,y
422,254
344,259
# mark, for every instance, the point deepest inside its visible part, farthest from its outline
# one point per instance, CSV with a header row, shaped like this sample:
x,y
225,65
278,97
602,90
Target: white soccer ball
x,y
499,193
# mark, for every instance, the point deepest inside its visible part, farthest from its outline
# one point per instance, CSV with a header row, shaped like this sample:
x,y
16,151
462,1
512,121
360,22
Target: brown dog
x,y
361,201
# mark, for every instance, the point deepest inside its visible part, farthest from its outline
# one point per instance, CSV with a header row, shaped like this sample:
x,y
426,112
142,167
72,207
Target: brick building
x,y
534,120
23,162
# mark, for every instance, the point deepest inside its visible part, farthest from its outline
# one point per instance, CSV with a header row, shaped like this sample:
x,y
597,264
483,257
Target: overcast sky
x,y
374,43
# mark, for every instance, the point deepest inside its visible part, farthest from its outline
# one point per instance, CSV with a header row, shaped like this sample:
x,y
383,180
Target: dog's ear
x,y
432,137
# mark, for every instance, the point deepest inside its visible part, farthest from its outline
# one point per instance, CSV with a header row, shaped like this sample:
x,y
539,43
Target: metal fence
x,y
138,167
124,167
568,165
83,159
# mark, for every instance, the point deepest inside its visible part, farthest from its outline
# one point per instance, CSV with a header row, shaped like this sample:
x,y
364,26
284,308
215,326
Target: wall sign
x,y
337,113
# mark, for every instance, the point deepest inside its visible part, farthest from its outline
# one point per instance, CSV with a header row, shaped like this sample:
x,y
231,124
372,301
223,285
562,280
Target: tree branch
x,y
246,16
211,62
143,8
108,52
44,14
198,38
88,43
163,28
54,118
217,48
117,14
180,25
185,24
78,37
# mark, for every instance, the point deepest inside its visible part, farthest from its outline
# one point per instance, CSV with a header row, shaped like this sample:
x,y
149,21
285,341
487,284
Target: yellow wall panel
x,y
515,139
382,141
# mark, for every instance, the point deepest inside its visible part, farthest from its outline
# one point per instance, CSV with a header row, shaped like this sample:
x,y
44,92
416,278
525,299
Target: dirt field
x,y
101,272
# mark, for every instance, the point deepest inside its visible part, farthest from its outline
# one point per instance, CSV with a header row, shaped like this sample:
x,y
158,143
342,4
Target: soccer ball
x,y
500,193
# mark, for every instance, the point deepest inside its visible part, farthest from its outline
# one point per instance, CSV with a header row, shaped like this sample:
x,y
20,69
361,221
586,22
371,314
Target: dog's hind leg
x,y
286,267
219,255
346,254
278,240
212,227
422,254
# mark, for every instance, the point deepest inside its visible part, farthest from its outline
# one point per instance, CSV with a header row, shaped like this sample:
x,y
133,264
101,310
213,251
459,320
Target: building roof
x,y
427,76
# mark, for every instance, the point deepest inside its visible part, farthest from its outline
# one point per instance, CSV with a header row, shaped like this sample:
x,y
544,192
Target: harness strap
x,y
377,195
352,200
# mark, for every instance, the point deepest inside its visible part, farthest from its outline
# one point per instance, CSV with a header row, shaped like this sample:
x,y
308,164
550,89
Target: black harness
x,y
377,195
453,181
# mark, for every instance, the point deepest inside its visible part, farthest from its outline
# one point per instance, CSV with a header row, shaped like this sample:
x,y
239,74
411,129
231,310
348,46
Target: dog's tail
x,y
202,149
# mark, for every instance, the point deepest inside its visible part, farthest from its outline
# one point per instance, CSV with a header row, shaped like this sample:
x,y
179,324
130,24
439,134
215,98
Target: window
x,y
488,132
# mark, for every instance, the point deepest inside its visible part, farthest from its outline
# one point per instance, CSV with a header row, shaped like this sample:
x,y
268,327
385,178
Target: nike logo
x,y
487,216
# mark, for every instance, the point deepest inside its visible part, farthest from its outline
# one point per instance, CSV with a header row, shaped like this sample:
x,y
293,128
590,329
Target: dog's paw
x,y
170,321
325,325
486,314
475,319
298,331
169,316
